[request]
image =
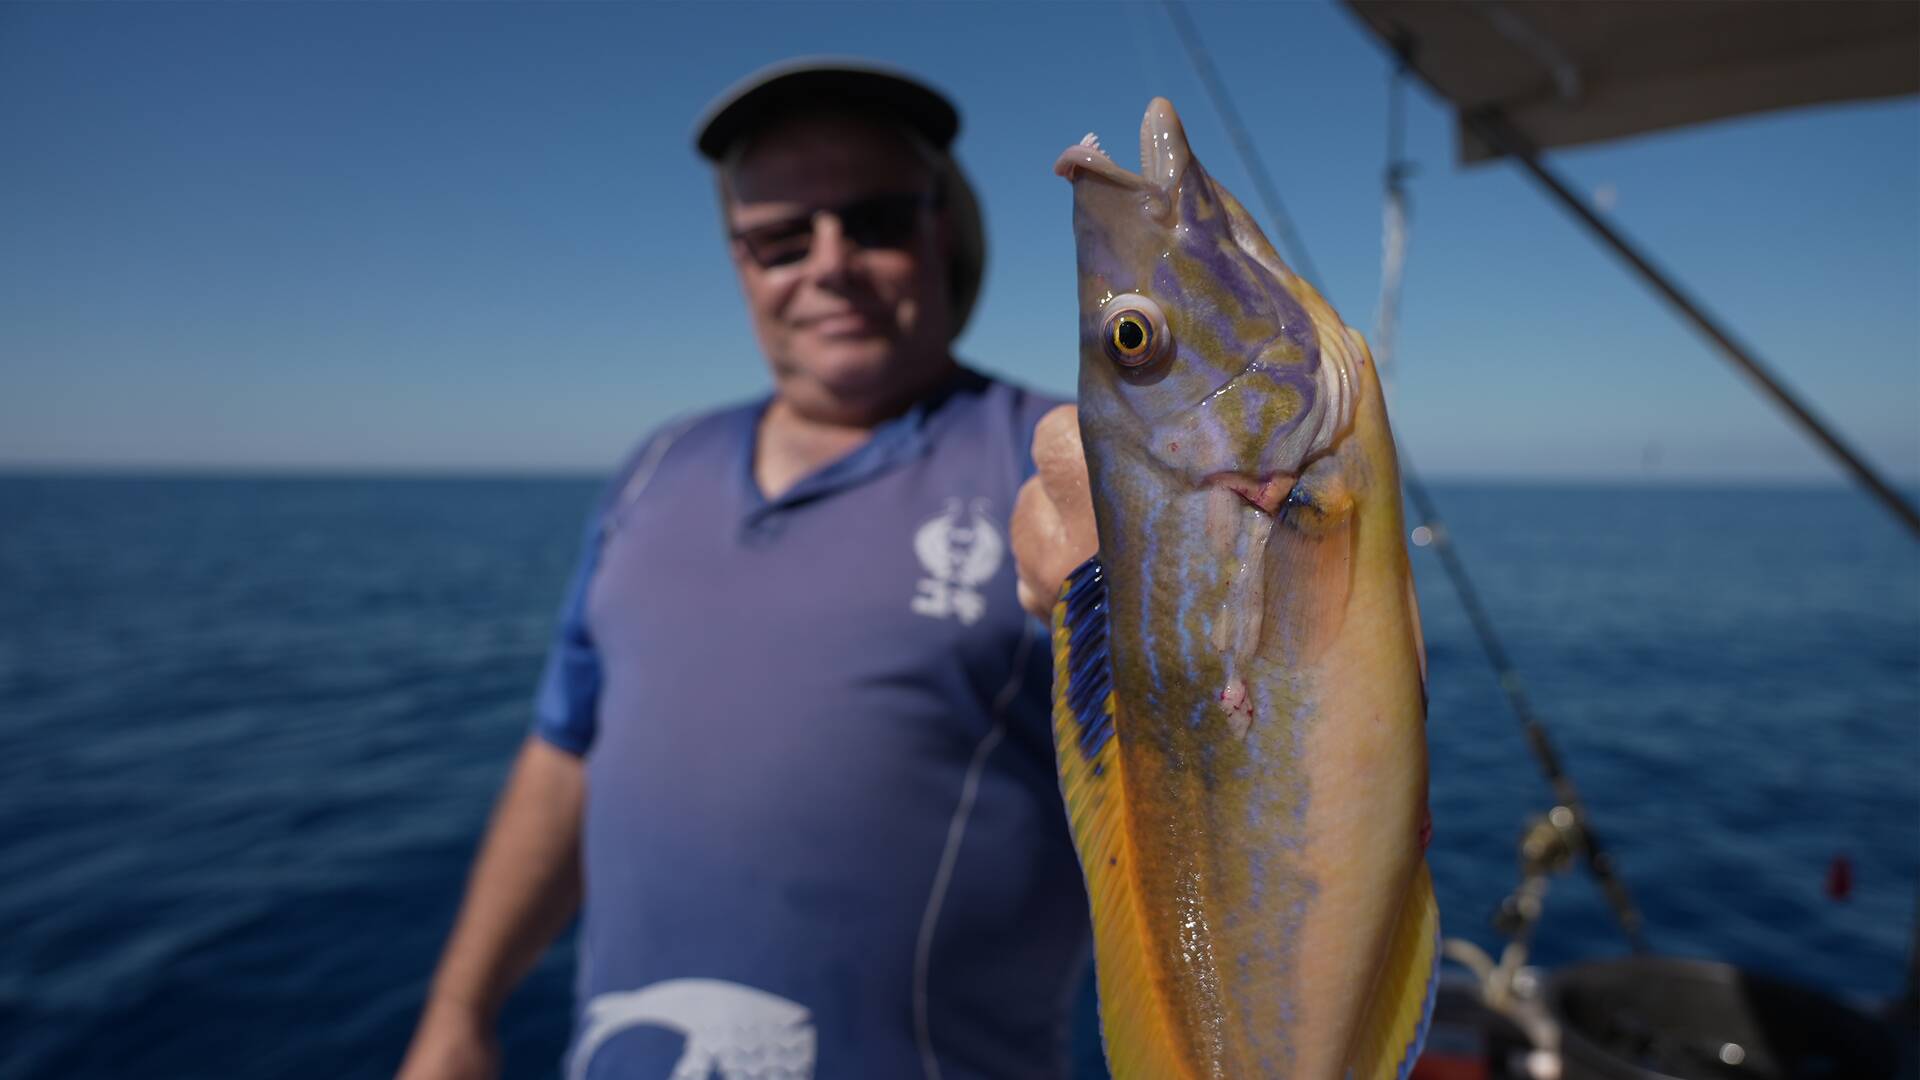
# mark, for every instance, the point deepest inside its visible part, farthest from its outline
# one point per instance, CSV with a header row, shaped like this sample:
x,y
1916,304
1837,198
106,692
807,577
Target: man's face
x,y
842,321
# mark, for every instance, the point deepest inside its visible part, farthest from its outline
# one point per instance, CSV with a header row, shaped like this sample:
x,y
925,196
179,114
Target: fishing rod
x,y
1599,862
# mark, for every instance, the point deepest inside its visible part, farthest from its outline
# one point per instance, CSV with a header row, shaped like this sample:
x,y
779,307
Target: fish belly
x,y
1261,909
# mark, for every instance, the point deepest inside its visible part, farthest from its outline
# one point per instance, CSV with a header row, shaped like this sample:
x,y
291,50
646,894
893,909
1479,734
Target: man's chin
x,y
854,338
852,362
853,375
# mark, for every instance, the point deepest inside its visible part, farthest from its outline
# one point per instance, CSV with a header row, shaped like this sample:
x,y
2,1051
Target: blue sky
x,y
473,236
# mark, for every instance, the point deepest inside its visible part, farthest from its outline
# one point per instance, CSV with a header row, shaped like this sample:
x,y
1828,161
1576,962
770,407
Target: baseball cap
x,y
875,89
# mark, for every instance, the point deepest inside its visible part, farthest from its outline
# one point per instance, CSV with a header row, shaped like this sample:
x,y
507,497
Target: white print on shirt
x,y
744,1033
960,554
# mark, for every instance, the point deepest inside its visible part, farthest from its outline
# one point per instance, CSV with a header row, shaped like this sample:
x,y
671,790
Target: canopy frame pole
x,y
1492,126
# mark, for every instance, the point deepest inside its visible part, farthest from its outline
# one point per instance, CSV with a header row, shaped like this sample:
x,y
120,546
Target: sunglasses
x,y
880,221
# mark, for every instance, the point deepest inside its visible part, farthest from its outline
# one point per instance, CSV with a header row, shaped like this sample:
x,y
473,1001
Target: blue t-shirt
x,y
823,831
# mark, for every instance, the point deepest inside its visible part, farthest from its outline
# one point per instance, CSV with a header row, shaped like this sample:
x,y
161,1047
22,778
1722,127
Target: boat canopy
x,y
1568,74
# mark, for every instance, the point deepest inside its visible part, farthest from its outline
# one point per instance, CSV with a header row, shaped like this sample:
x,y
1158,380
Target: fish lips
x,y
1164,156
1268,493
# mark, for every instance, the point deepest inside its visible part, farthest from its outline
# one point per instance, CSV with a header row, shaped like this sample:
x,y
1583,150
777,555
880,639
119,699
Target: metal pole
x,y
1492,126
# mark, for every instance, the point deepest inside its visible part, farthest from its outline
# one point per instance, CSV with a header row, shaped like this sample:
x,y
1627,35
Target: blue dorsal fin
x,y
1134,1023
1089,666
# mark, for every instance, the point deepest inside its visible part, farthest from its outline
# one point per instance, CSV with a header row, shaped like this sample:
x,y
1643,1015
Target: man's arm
x,y
524,887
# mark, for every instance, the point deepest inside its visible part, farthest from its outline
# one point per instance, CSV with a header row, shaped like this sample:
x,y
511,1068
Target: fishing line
x,y
1294,248
1148,56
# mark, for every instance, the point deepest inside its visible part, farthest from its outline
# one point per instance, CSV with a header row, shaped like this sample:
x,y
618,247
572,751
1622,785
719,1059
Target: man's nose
x,y
833,252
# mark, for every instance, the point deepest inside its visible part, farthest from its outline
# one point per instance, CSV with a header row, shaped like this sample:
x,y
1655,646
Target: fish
x,y
1240,681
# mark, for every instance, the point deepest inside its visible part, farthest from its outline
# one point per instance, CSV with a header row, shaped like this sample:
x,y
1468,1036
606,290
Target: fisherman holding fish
x,y
793,761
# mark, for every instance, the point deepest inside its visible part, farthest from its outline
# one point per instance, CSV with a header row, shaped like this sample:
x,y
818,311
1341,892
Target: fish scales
x,y
1240,696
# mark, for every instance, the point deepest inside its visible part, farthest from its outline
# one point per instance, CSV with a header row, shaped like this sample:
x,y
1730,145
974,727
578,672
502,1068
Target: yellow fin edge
x,y
1133,1025
1395,1027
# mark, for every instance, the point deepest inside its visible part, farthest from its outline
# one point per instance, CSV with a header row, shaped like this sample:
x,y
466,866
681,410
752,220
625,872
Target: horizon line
x,y
416,472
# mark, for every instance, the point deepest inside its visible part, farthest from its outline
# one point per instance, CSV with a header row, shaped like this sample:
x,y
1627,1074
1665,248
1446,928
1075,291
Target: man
x,y
792,760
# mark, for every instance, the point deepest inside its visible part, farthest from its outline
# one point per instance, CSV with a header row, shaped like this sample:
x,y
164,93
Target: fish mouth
x,y
1087,158
1163,154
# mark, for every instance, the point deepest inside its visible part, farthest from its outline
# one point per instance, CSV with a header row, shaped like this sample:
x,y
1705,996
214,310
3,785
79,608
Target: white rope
x,y
1394,231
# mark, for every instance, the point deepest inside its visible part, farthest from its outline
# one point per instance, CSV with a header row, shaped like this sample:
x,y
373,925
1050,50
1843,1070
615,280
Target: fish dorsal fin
x,y
1134,1027
1401,1007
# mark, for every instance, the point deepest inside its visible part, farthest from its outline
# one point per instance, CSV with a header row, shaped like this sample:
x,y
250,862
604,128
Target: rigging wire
x,y
1598,860
1295,249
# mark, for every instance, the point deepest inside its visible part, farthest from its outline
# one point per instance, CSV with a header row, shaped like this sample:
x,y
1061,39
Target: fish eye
x,y
1136,332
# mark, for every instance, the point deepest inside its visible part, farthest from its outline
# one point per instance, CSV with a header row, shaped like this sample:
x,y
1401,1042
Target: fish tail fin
x,y
1133,1025
1395,1026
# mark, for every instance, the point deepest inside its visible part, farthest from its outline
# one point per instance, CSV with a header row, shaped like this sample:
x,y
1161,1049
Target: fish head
x,y
1213,381
1196,345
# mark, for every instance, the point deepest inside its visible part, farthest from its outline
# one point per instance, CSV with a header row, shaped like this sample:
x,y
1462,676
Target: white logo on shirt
x,y
960,553
744,1033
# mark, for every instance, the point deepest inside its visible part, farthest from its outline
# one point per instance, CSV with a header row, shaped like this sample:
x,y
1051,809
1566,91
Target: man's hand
x,y
451,1043
1053,530
524,888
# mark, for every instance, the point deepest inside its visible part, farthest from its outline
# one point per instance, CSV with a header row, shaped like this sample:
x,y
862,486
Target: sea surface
x,y
250,730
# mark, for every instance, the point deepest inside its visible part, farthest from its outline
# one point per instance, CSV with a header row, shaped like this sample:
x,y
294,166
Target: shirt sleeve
x,y
566,703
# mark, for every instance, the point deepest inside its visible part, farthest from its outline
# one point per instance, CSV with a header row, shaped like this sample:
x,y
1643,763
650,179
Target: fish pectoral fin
x,y
1320,502
1309,562
1134,1027
1401,1007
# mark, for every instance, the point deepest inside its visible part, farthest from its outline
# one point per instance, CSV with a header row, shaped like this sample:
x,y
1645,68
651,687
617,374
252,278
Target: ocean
x,y
250,730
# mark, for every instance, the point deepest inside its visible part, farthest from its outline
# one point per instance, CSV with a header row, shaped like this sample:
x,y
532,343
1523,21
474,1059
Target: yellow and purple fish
x,y
1240,699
